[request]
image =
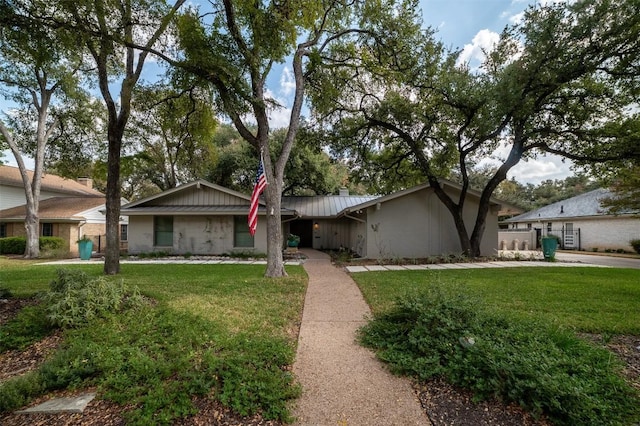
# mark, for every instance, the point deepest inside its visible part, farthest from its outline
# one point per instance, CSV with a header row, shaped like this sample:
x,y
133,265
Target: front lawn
x,y
222,331
593,300
511,334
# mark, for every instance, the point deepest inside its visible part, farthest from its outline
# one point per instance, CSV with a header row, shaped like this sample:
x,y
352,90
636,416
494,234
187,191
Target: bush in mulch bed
x,y
546,370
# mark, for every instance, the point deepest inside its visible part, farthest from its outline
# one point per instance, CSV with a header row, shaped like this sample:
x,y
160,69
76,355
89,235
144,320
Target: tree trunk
x,y
32,226
31,188
113,195
456,211
275,261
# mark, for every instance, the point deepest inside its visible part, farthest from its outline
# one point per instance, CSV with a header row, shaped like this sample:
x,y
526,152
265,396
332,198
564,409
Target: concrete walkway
x,y
342,382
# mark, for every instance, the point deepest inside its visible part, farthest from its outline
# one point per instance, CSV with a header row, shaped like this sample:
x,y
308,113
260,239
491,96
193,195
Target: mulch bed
x,y
444,404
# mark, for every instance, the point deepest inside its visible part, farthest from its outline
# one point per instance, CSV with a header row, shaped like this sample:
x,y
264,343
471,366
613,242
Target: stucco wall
x,y
602,233
612,234
193,234
418,225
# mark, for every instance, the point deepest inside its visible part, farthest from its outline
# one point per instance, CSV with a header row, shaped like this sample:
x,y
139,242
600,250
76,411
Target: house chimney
x,y
561,209
344,192
88,182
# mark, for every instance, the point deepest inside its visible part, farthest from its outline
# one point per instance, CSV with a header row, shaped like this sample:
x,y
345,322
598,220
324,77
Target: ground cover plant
x,y
218,331
510,334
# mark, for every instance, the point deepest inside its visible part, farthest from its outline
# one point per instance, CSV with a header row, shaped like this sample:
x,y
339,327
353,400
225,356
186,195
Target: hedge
x,y
18,245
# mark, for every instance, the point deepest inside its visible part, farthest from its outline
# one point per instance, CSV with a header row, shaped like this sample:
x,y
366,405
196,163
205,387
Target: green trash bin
x,y
85,248
549,246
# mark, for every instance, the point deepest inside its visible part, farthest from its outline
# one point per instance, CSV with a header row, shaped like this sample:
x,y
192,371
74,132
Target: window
x,y
163,231
529,226
3,230
241,235
549,227
123,232
47,229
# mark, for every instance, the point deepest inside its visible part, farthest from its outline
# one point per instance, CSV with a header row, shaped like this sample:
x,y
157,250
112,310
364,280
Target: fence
x,y
529,239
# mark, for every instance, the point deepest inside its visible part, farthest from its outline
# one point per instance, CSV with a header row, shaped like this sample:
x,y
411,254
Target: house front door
x,y
303,229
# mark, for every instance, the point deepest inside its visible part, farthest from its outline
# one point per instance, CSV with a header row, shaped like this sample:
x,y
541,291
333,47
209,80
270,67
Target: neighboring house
x,y
580,223
68,209
204,218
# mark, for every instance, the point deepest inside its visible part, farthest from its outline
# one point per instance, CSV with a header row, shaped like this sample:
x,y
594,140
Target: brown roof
x,y
56,208
10,176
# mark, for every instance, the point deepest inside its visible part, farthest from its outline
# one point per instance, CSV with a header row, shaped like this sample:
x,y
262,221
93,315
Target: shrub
x,y
13,245
245,254
18,391
251,377
69,367
545,370
52,243
75,299
53,247
636,245
18,245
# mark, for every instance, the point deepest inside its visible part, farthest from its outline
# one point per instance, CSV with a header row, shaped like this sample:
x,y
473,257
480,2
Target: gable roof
x,y
323,206
169,202
583,205
195,184
10,176
505,207
56,208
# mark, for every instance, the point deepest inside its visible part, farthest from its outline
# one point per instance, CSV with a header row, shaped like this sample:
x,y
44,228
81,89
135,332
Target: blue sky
x,y
470,25
467,25
458,21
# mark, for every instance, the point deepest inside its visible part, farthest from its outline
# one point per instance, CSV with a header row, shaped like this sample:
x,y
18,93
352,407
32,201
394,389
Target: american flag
x,y
258,187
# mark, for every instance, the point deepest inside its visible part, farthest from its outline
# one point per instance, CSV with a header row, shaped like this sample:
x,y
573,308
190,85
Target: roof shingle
x,y
583,205
61,208
10,176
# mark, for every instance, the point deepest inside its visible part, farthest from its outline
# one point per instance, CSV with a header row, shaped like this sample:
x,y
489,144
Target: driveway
x,y
598,259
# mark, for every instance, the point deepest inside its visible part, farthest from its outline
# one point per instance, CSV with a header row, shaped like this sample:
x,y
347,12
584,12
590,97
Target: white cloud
x,y
517,18
279,115
483,42
543,168
531,170
287,82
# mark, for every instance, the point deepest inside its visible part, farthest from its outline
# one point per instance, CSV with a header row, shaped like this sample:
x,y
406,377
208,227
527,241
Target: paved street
x,y
598,259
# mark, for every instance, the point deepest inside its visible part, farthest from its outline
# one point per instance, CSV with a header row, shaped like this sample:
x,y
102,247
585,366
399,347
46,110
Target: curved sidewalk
x,y
342,382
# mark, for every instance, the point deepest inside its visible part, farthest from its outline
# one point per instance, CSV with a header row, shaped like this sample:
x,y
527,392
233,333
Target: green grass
x,y
595,300
510,334
219,330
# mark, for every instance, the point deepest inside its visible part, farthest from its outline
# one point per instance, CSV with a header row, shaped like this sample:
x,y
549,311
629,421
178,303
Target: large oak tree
x,y
234,45
561,82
